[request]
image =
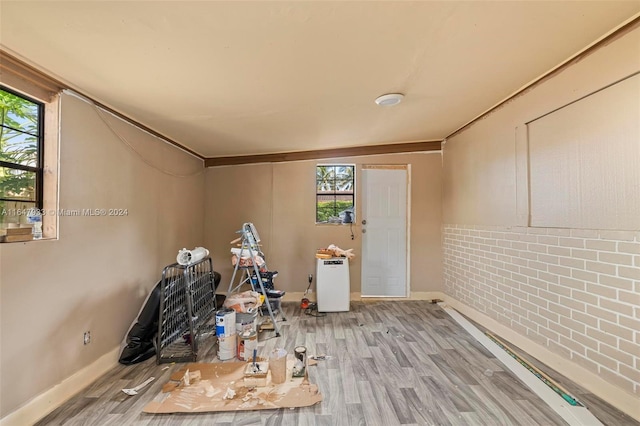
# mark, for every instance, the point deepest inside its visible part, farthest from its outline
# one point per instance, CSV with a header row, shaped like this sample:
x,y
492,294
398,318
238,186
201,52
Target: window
x,y
335,193
21,155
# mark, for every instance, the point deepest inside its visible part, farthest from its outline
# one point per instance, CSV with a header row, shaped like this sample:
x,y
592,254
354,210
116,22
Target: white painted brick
x,y
602,290
589,277
629,297
628,347
584,297
585,341
633,248
585,319
529,272
585,233
572,345
630,323
528,306
529,255
572,303
521,295
617,235
552,335
538,266
518,245
621,283
571,242
616,354
636,261
548,240
601,313
616,330
630,373
616,307
551,316
561,232
602,337
520,262
549,278
519,278
601,359
570,262
548,296
549,259
573,283
617,258
573,325
497,235
586,363
604,268
531,290
560,251
538,301
601,245
560,329
538,248
584,254
560,270
616,379
633,273
559,309
540,320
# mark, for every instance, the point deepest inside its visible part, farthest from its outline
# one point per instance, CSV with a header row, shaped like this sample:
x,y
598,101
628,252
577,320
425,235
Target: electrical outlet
x,y
87,337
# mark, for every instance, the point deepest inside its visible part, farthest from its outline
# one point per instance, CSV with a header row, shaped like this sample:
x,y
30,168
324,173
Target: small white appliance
x,y
332,284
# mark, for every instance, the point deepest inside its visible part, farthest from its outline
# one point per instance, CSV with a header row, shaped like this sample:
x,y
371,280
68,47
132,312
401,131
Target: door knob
x,y
364,222
364,231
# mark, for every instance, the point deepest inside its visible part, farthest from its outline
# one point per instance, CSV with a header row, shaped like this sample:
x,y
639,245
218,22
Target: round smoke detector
x,y
389,99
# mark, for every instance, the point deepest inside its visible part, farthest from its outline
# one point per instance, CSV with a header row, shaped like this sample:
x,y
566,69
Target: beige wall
x,y
96,276
574,291
279,199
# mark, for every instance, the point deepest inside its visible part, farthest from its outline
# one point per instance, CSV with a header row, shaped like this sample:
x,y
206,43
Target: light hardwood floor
x,y
392,363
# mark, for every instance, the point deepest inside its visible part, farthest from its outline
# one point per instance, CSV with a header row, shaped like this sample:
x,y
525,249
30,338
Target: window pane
x,y
18,113
13,212
19,148
17,184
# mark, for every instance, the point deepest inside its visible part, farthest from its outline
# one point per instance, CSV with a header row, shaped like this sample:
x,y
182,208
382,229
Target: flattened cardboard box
x,y
217,379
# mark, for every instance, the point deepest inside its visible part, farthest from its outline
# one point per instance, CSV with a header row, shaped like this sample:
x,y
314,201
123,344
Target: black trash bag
x,y
141,336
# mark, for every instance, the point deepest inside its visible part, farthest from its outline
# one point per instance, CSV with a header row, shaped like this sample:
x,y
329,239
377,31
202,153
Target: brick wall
x,y
577,292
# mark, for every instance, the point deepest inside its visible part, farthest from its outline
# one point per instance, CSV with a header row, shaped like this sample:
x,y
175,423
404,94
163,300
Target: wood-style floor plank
x,y
391,363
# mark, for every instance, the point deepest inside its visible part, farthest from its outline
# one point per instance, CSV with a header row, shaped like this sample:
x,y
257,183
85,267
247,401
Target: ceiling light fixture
x,y
389,99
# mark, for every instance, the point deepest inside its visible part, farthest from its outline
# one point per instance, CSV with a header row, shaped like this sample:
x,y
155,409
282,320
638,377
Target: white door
x,y
384,231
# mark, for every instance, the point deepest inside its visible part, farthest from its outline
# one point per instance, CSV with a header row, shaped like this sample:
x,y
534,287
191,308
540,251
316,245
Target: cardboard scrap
x,y
221,387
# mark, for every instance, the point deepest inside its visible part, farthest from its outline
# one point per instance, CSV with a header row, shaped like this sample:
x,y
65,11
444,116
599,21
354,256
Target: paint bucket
x,y
248,321
300,352
227,347
247,342
225,323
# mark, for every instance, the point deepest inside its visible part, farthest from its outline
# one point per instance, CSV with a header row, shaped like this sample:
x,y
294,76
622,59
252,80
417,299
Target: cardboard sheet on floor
x,y
208,393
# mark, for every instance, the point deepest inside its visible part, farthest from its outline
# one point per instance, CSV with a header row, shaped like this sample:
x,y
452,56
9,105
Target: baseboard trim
x,y
620,399
358,297
46,402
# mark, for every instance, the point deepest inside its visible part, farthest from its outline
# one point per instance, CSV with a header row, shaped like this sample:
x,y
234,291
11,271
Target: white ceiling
x,y
239,78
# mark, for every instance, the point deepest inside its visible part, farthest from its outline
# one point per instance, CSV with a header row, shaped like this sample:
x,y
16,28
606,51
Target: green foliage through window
x,y
335,193
21,134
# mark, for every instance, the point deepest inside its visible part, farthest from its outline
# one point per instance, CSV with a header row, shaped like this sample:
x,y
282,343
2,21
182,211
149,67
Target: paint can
x,y
247,342
247,321
225,323
227,347
300,352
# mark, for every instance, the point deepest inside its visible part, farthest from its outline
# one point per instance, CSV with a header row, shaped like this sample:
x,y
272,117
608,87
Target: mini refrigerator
x,y
332,284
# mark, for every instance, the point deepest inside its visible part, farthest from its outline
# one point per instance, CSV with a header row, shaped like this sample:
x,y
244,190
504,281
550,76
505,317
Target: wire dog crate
x,y
187,310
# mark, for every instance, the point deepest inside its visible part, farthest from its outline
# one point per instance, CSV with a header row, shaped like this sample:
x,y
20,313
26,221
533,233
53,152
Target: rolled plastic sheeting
x,y
187,257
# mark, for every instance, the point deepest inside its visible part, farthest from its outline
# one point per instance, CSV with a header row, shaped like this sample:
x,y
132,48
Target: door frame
x,y
407,168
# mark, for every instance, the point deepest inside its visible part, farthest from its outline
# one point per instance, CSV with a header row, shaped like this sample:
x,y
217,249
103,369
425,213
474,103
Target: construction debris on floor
x,y
233,386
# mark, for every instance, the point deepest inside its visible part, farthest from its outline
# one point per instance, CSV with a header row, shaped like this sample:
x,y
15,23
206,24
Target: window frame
x,y
39,168
335,194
